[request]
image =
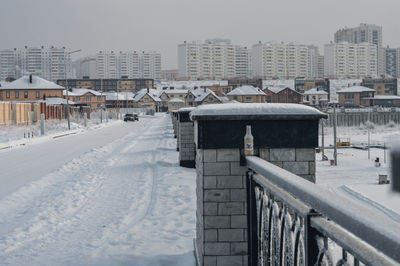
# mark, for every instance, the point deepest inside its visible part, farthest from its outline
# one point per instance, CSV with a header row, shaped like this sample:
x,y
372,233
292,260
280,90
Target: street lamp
x,y
66,86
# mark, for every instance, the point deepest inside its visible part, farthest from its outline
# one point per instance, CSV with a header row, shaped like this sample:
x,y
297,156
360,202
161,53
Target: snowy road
x,y
112,196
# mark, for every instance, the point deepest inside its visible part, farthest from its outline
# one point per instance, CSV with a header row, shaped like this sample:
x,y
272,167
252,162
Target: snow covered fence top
x,y
256,111
273,125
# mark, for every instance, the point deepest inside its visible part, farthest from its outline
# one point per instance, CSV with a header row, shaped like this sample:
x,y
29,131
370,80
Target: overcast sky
x,y
159,25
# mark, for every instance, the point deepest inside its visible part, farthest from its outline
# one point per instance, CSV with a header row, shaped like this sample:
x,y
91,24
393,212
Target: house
x,y
201,96
351,96
220,90
147,98
170,93
175,104
119,99
381,100
315,97
247,94
86,97
382,86
30,89
255,82
283,95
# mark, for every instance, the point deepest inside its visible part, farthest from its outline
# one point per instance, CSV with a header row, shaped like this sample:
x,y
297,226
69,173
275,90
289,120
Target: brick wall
x,y
187,150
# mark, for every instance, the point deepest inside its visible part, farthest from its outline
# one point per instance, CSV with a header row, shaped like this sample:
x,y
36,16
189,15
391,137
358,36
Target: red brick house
x,y
283,95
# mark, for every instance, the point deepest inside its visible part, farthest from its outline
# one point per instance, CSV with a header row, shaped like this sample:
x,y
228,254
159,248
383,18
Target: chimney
x,y
205,89
148,90
30,78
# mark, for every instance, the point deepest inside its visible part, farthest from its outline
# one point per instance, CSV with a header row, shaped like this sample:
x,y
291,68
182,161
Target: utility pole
x,y
334,135
369,134
101,107
66,86
323,139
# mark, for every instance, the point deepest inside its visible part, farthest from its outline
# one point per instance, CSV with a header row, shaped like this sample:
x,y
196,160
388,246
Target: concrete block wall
x,y
221,233
187,148
299,161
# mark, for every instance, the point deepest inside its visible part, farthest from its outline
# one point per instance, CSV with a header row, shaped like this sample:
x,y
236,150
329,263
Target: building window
x,y
248,99
99,98
78,98
99,105
349,95
17,94
88,98
25,94
268,99
7,94
37,94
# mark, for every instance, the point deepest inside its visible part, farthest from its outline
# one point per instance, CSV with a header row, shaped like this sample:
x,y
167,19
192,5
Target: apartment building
x,y
129,65
213,59
50,63
382,86
274,60
86,67
368,33
8,62
105,85
392,62
349,60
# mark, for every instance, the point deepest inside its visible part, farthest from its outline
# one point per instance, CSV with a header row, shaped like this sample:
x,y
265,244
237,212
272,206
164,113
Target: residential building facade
x,y
105,85
274,60
247,94
364,33
382,86
349,60
50,63
352,96
392,62
282,95
214,59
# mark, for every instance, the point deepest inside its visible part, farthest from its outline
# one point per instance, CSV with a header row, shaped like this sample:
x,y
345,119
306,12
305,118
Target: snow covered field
x,y
110,196
356,176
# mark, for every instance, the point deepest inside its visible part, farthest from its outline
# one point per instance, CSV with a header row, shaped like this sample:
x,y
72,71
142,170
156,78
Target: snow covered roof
x,y
57,101
279,89
122,96
38,83
3,83
383,97
246,90
355,89
142,93
176,100
202,93
81,92
315,92
175,91
186,109
258,111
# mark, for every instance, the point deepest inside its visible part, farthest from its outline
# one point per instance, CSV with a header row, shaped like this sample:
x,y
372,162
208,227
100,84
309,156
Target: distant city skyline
x,y
160,26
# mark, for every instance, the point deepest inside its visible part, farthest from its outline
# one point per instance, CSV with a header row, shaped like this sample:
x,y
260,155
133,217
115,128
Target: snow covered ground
x,y
356,176
114,195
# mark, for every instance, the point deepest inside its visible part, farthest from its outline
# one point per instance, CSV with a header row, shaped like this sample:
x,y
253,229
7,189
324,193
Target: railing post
x,y
251,221
311,245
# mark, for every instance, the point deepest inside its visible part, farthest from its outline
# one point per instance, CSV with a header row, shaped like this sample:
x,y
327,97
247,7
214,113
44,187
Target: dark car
x,y
131,117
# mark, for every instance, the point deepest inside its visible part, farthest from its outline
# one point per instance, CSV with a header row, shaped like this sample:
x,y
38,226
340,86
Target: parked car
x,y
131,117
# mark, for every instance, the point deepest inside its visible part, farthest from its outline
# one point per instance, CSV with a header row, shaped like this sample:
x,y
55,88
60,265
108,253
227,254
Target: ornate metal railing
x,y
295,222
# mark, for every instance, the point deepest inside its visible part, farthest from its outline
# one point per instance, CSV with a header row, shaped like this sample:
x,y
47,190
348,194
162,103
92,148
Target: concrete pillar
x,y
284,134
187,150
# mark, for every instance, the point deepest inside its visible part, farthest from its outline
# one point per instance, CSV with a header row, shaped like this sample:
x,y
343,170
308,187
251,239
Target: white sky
x,y
159,25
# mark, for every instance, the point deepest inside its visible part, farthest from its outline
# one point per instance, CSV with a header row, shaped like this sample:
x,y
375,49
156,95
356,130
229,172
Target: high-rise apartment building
x,y
8,62
129,65
284,60
49,63
349,60
392,62
86,67
364,33
212,59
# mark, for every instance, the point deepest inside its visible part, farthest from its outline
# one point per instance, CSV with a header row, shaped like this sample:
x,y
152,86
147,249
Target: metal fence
x,y
295,222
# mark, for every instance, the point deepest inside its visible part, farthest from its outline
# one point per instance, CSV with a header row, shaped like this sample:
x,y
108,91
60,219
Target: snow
x,y
122,96
176,100
37,83
57,101
233,109
356,177
112,196
276,89
81,92
246,90
355,89
315,92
